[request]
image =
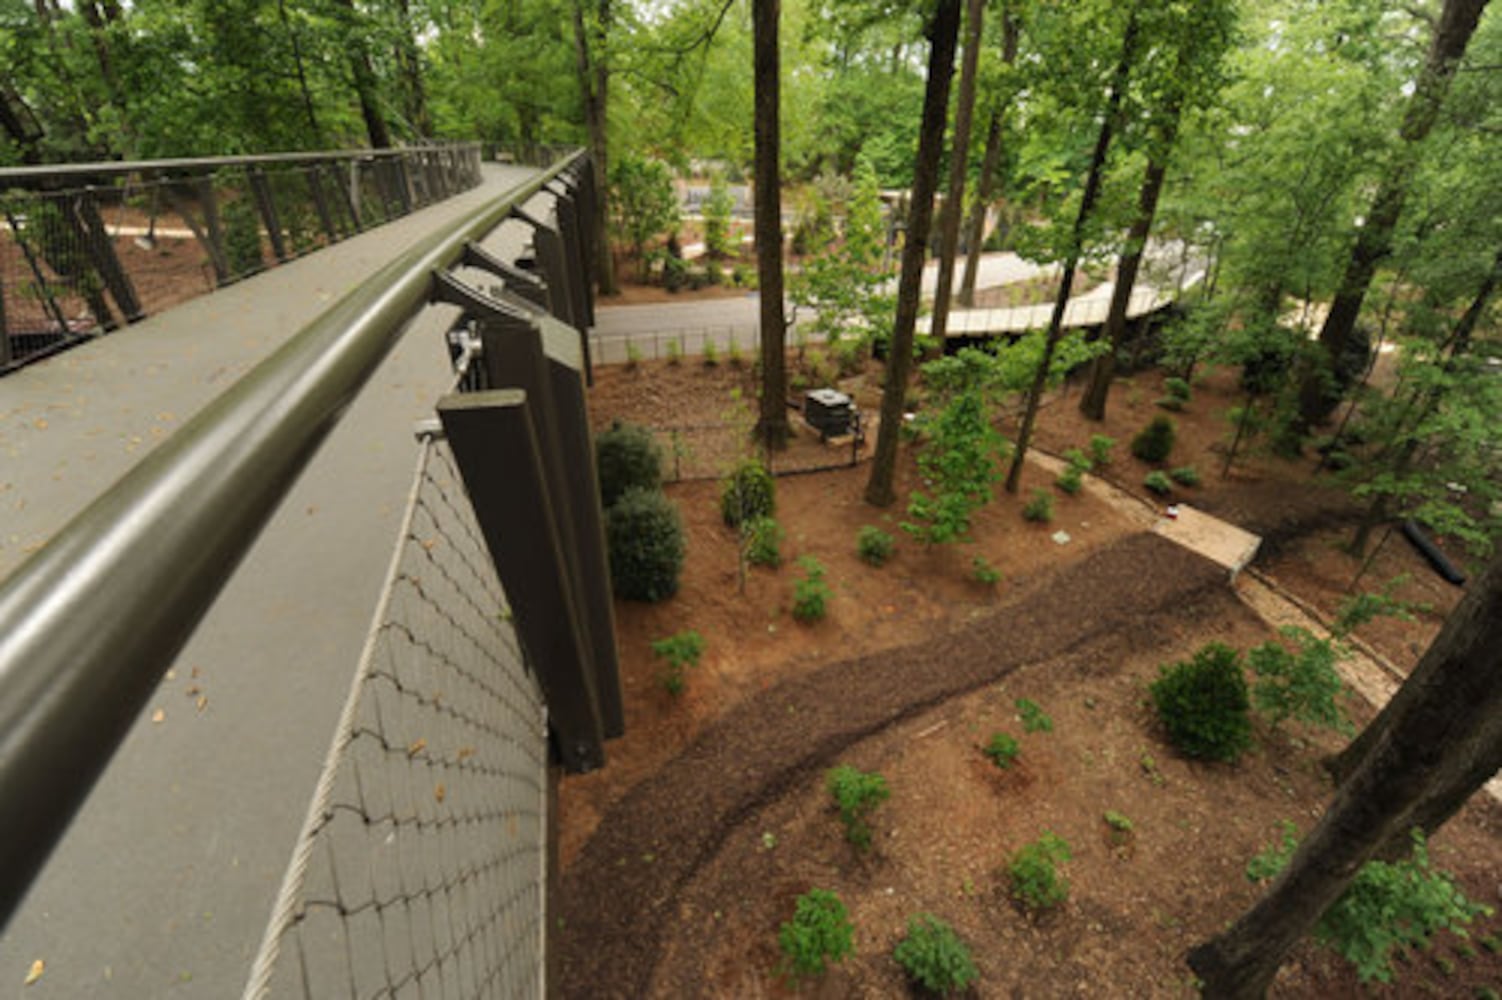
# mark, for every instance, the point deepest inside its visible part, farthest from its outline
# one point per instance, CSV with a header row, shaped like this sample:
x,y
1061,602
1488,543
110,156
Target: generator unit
x,y
830,412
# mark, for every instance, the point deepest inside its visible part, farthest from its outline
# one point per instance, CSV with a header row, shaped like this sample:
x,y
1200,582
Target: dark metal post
x,y
321,203
336,177
211,225
495,444
267,207
570,221
102,250
43,287
403,183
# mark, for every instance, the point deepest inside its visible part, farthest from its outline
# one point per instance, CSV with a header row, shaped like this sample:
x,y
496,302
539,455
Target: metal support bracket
x,y
528,284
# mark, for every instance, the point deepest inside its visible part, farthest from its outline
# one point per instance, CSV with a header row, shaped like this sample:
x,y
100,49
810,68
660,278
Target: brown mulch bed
x,y
762,748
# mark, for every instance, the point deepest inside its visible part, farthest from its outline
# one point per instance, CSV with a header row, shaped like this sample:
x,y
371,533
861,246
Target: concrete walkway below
x,y
164,883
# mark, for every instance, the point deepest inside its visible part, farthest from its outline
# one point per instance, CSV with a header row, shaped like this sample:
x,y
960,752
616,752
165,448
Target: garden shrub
x,y
934,957
763,536
626,456
1003,750
1185,475
1034,719
1077,460
710,354
1039,508
857,794
1118,822
873,545
1036,882
681,651
1100,449
810,594
1177,388
749,492
1070,481
1302,684
644,536
675,350
1155,442
983,573
1158,482
1203,704
819,933
1387,906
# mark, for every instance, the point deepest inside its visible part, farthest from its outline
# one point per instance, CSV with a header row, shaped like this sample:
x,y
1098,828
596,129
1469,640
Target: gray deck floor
x,y
164,882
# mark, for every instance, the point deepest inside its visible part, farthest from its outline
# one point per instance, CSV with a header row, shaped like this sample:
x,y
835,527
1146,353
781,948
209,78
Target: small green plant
x,y
1034,719
748,492
1158,482
1155,443
1203,703
810,594
680,651
1299,682
1071,480
633,354
819,933
626,456
733,353
675,350
983,573
1040,508
1387,907
1077,459
763,537
934,957
644,538
710,355
1034,873
1100,450
857,793
873,545
1118,822
1003,750
1185,475
1178,388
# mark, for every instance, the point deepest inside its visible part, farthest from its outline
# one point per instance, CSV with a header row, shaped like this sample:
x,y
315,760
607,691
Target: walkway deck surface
x,y
163,885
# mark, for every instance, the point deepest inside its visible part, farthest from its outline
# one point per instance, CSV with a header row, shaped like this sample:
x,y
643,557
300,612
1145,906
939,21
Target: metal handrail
x,y
92,620
110,168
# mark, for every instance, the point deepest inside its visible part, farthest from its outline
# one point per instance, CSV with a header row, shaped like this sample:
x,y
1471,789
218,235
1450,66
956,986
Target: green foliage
x,y
1301,683
1070,481
1155,442
1178,388
717,209
1185,475
1203,703
626,456
633,354
819,933
960,461
763,536
934,957
1034,874
1004,368
1365,607
843,280
643,203
242,236
1158,482
1039,508
983,573
748,492
644,535
873,545
1003,750
1100,449
1034,719
675,350
856,794
1118,822
1387,907
811,593
680,651
710,355
1078,460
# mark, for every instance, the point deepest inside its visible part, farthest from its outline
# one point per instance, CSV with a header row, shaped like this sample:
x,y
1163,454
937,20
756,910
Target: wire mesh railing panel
x,y
421,868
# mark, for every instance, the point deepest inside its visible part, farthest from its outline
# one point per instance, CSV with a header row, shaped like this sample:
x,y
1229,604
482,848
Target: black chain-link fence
x,y
421,870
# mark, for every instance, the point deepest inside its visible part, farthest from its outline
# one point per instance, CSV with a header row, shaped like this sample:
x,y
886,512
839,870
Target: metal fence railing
x,y
421,865
710,451
731,343
88,248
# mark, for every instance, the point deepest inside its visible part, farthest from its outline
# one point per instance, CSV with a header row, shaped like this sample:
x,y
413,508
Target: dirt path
x,y
640,863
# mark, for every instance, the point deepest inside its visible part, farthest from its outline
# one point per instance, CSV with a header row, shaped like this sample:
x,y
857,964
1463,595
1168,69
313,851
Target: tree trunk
x,y
1457,22
1422,756
410,61
1087,205
302,74
959,166
975,226
367,89
593,69
943,33
1093,401
772,427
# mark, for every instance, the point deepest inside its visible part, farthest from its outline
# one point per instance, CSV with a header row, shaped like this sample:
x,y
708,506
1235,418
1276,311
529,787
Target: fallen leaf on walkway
x,y
203,702
417,747
159,715
192,691
37,968
439,792
466,752
41,424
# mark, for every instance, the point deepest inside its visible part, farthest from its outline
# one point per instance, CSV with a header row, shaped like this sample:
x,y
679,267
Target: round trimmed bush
x,y
644,535
626,456
1204,705
1155,442
749,492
